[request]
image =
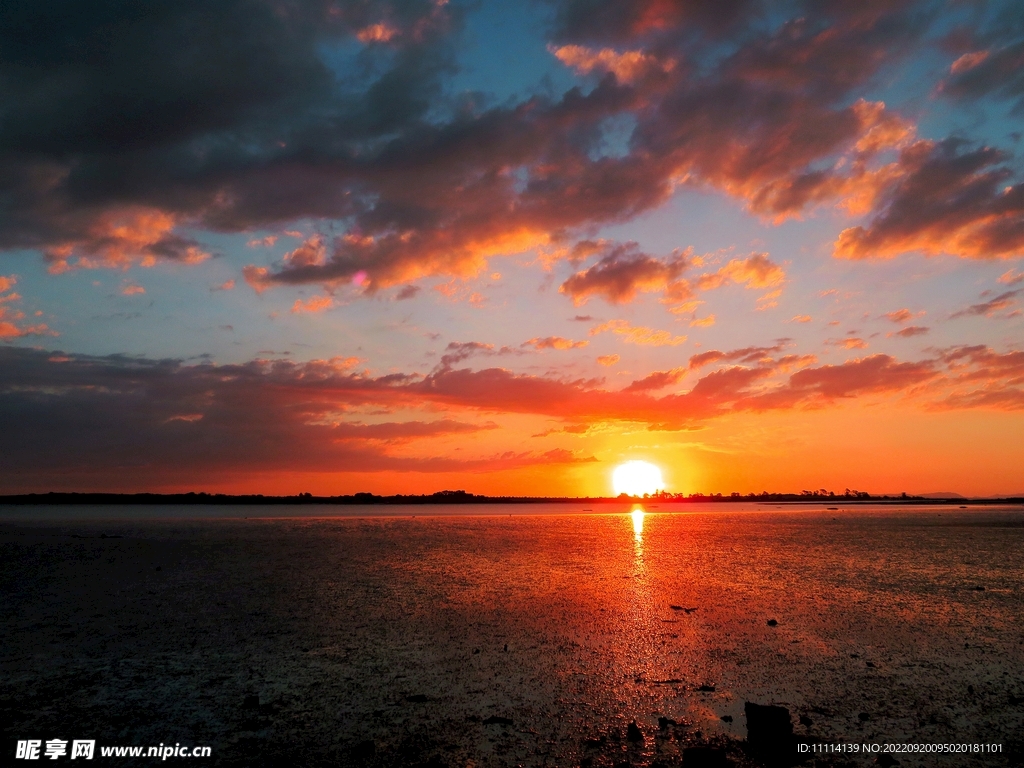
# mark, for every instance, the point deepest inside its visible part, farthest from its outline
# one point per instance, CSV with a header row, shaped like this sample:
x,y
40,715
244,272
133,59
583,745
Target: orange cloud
x,y
312,304
850,342
756,271
554,342
118,238
608,359
638,334
628,66
381,32
801,319
9,328
944,201
131,289
623,272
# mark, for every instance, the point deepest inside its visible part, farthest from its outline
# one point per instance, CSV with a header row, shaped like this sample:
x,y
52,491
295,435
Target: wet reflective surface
x,y
412,640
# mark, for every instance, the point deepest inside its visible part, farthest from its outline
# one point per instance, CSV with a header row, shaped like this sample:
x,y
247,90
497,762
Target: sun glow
x,y
636,478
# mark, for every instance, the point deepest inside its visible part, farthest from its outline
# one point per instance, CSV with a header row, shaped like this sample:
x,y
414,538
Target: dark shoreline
x,y
461,497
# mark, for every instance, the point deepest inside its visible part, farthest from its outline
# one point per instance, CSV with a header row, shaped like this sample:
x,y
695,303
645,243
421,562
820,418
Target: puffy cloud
x,y
554,342
607,360
11,329
250,127
628,66
873,374
945,200
899,315
131,289
623,271
312,304
755,271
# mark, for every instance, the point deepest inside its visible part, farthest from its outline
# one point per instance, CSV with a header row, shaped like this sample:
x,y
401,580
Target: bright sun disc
x,y
636,478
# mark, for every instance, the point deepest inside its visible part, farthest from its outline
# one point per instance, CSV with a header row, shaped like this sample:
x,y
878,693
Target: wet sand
x,y
531,639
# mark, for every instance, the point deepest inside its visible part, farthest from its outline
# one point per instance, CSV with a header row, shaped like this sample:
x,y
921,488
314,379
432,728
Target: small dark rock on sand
x,y
864,717
706,689
633,732
251,701
417,698
772,623
806,721
726,718
770,736
665,722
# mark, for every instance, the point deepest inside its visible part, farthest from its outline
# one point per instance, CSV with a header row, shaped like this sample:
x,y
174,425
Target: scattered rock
x,y
498,720
251,701
706,689
854,655
772,623
863,717
886,760
978,588
594,743
871,664
676,607
417,698
665,722
970,689
1016,700
704,757
633,733
476,651
506,647
770,734
726,718
806,721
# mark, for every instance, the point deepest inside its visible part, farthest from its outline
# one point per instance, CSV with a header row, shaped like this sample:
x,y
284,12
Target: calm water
x,y
390,640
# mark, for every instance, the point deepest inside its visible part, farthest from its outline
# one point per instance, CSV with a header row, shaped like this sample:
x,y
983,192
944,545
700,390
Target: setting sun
x,y
637,478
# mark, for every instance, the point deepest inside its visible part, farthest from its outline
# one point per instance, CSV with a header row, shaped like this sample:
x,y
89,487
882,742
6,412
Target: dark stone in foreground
x,y
498,720
633,732
417,698
770,736
773,623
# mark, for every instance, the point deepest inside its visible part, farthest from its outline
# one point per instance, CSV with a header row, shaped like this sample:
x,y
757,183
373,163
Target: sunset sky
x,y
404,246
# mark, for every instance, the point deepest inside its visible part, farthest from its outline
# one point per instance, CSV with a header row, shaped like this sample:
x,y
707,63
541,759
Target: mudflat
x,y
515,639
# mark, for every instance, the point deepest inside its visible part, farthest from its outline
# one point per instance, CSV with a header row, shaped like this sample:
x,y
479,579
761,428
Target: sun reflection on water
x,y
638,524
